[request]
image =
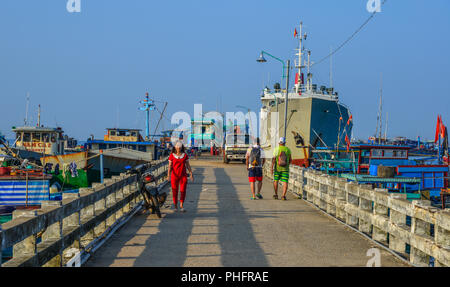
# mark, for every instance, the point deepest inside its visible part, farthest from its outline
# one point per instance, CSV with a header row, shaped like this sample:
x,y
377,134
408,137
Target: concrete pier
x,y
224,227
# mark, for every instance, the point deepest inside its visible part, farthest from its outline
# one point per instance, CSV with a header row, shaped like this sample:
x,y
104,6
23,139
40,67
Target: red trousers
x,y
181,182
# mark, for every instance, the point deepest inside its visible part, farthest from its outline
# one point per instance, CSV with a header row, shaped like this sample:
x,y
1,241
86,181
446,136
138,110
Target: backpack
x,y
255,157
282,159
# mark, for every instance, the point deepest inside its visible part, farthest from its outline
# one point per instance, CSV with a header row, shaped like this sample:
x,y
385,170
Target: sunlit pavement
x,y
224,227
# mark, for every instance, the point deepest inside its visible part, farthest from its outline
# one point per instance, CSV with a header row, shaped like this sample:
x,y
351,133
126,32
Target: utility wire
x,y
350,38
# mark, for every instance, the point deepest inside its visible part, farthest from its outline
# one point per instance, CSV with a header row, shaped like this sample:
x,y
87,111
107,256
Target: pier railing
x,y
388,218
52,235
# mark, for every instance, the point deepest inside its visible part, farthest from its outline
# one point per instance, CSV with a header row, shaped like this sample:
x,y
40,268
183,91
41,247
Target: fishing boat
x,y
34,142
124,138
385,166
81,169
315,117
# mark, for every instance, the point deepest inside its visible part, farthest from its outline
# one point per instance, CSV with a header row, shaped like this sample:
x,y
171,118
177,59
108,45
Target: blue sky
x,y
89,70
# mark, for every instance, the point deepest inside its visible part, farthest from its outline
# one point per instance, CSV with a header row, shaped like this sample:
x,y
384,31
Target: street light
x,y
287,67
261,58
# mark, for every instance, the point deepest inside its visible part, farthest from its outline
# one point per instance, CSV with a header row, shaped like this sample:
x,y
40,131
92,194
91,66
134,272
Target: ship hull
x,y
312,122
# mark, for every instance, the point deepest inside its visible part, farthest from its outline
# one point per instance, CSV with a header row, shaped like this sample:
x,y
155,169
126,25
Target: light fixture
x,y
261,58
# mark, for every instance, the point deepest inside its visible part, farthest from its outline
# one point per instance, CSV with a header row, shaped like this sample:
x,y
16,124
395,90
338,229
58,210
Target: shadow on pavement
x,y
236,237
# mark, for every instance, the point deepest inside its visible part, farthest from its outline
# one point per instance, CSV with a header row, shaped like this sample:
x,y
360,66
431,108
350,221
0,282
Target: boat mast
x,y
385,131
39,116
147,119
147,106
26,109
379,121
381,107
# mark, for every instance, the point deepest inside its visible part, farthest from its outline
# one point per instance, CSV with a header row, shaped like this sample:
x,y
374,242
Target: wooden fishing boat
x,y
77,170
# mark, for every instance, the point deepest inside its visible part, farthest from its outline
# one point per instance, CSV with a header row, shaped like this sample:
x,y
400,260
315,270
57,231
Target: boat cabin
x,y
48,141
123,138
375,155
123,135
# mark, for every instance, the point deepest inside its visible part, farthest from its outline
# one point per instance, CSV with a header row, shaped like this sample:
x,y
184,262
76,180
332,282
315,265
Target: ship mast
x,y
299,66
309,76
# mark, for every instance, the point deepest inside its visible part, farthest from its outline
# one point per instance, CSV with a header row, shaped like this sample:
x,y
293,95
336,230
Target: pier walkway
x,y
223,227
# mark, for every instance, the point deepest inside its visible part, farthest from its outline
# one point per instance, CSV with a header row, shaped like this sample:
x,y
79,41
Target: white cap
x,y
282,140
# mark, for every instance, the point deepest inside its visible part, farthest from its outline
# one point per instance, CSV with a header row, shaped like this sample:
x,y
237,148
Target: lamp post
x,y
286,97
287,67
261,59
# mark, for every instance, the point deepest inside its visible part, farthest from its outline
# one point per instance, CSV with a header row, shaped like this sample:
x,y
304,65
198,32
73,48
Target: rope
x,y
349,38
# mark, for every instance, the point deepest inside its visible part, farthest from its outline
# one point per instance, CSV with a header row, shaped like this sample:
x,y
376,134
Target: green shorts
x,y
282,176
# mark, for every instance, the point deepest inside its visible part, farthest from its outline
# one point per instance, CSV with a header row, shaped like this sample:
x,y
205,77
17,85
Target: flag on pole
x,y
295,33
347,140
350,119
442,129
438,129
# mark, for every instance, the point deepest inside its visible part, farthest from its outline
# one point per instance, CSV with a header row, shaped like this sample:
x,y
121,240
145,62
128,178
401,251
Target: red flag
x,y
350,119
442,130
303,79
347,140
295,33
296,78
438,129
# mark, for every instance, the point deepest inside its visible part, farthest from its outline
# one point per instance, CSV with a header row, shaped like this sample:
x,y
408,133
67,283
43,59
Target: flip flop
x,y
253,198
183,210
259,196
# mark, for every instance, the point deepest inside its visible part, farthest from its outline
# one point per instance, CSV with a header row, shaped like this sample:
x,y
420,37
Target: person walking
x,y
254,161
178,163
281,161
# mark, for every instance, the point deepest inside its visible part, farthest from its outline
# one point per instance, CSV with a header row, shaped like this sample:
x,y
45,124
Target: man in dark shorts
x,y
254,161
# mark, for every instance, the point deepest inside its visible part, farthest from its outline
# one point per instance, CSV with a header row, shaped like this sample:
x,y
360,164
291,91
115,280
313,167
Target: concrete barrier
x,y
379,214
73,223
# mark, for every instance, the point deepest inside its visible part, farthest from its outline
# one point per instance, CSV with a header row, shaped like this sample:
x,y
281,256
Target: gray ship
x,y
315,117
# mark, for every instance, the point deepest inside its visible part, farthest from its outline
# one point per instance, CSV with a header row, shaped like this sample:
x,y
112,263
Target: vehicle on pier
x,y
236,146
